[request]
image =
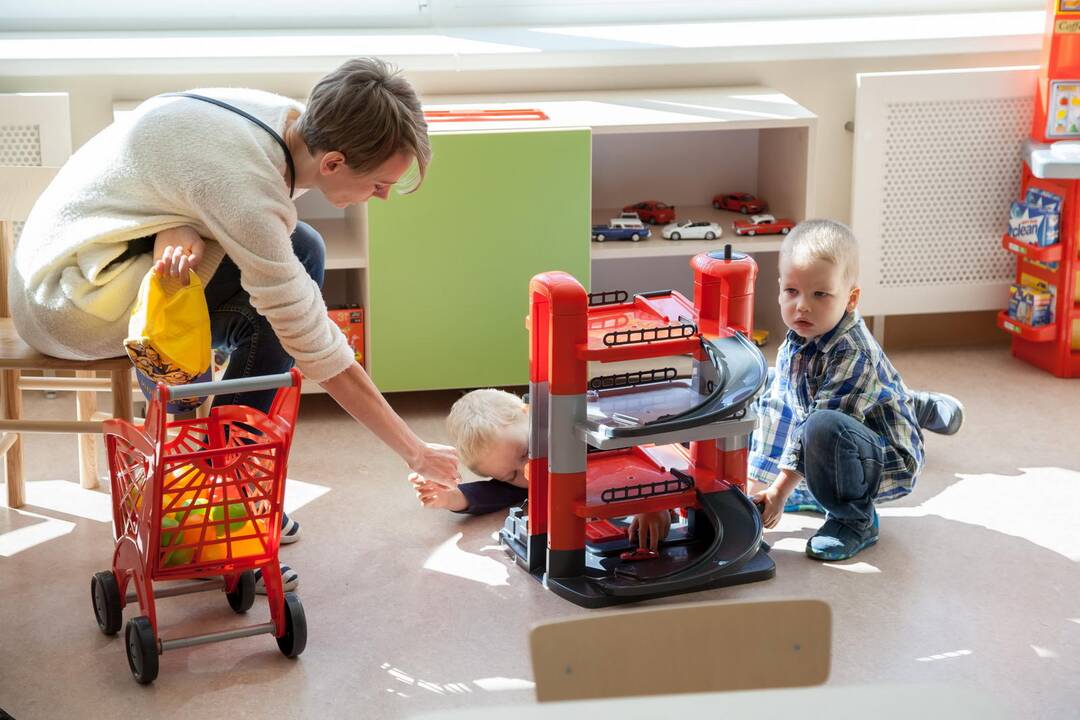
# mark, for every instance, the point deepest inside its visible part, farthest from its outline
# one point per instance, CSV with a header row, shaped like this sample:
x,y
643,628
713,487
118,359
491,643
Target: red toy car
x,y
739,202
763,225
653,211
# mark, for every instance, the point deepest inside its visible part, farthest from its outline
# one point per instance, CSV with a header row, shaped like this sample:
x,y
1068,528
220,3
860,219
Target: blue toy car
x,y
622,228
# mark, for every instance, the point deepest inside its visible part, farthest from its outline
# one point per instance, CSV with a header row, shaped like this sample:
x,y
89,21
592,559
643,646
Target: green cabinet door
x,y
449,265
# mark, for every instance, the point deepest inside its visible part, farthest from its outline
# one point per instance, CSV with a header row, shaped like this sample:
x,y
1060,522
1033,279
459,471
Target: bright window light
x,y
450,559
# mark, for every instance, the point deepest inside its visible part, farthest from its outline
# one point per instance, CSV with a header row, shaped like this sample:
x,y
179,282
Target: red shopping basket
x,y
199,501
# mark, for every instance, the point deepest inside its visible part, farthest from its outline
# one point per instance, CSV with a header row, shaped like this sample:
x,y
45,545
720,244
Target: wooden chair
x,y
698,647
35,140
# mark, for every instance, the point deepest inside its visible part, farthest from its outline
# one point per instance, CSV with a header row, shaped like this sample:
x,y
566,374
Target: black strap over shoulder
x,y
280,141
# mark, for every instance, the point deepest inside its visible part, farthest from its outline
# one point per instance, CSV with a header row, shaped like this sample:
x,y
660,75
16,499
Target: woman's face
x,y
342,186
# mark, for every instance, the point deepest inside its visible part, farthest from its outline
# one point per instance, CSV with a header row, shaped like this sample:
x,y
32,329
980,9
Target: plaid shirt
x,y
846,370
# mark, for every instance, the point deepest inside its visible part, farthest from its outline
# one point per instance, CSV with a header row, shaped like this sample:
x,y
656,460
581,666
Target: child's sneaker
x,y
836,541
289,579
939,413
290,530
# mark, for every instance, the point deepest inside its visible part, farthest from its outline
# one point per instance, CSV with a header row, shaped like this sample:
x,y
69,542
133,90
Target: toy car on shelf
x,y
763,225
652,211
738,202
691,230
627,227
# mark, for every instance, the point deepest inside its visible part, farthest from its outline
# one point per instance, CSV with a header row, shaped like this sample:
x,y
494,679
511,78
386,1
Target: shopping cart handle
x,y
239,385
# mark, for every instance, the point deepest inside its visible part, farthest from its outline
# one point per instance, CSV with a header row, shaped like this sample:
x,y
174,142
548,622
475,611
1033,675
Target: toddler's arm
x,y
775,496
474,498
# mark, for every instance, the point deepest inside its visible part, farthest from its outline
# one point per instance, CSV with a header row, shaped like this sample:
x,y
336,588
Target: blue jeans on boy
x,y
842,464
238,330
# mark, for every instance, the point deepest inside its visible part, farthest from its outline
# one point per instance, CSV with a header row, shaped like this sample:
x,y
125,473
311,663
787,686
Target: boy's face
x,y
814,296
505,459
342,186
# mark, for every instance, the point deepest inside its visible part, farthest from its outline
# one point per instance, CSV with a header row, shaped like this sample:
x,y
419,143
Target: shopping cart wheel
x,y
142,649
295,638
243,596
105,594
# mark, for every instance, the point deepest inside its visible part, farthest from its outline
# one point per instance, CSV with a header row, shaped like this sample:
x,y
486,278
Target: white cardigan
x,y
176,161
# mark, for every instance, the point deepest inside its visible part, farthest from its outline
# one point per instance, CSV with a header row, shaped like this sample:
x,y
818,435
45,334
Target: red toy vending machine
x,y
1043,314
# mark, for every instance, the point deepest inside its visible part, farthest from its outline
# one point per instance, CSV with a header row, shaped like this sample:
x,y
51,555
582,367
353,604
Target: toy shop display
x,y
1042,310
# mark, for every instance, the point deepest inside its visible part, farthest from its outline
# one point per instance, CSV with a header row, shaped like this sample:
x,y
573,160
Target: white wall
x,y
826,87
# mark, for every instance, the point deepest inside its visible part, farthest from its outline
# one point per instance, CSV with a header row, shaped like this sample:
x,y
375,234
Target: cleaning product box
x,y
1031,304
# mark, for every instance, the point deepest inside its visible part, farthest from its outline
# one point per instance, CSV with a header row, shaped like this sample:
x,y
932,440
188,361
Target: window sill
x,y
509,48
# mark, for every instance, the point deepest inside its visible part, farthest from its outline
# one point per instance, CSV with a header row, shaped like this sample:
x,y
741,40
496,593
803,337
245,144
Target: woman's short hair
x,y
368,112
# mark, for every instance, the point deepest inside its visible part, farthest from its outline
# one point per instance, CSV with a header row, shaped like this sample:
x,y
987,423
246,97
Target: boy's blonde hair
x,y
366,111
824,240
482,416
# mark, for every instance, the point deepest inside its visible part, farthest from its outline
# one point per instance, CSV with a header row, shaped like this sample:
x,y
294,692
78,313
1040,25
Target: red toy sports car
x,y
763,225
653,211
739,202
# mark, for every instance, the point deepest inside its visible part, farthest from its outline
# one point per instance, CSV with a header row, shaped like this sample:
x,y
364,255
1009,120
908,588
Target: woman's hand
x,y
177,251
438,464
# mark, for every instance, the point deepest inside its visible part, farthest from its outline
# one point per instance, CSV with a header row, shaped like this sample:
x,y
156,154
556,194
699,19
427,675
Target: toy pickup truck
x,y
763,225
621,228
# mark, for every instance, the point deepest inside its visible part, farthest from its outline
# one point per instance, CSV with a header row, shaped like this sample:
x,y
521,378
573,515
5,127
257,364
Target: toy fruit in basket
x,y
235,510
183,527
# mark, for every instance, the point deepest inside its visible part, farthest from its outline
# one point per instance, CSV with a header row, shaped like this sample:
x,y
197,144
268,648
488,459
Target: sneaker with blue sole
x,y
836,541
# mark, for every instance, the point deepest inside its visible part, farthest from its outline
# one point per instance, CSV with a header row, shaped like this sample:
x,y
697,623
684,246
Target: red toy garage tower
x,y
1043,315
604,449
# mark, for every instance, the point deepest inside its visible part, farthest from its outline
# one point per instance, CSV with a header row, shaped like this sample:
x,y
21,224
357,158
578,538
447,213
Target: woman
x,y
204,182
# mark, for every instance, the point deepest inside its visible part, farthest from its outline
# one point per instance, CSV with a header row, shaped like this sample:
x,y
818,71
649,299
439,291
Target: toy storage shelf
x,y
657,246
1053,347
344,244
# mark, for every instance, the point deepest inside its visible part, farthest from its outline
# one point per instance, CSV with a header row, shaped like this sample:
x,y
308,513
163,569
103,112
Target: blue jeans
x,y
842,464
246,336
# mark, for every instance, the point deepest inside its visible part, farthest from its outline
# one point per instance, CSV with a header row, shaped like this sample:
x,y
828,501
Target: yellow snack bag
x,y
169,337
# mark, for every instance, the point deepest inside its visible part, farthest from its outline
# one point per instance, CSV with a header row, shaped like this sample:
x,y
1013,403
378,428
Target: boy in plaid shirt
x,y
839,429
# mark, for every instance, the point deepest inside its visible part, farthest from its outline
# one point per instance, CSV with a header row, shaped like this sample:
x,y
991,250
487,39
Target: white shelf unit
x,y
344,232
708,142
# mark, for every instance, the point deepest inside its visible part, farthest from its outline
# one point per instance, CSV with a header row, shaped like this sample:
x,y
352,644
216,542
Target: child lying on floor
x,y
490,429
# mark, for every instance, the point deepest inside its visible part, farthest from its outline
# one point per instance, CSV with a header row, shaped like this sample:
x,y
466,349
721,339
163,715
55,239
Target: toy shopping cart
x,y
199,501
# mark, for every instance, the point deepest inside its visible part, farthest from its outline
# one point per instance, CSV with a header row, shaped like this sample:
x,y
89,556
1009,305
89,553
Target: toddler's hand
x,y
432,495
773,502
649,529
438,464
